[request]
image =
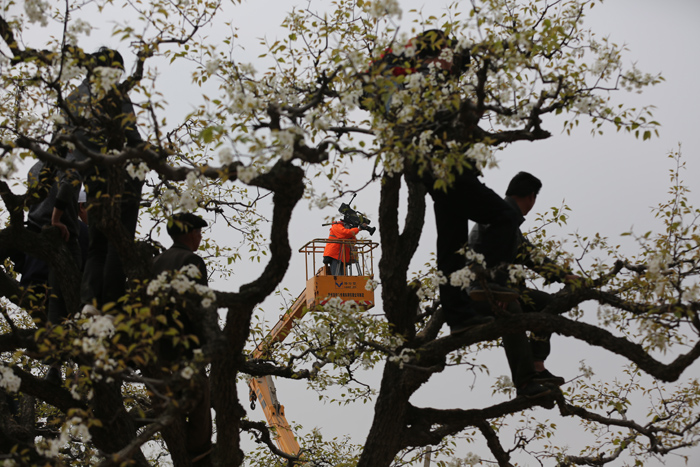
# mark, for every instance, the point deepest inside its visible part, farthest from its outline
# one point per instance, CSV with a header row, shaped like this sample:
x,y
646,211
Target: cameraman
x,y
338,254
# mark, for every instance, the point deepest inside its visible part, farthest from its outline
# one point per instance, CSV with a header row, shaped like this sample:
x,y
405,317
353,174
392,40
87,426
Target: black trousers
x,y
468,199
104,279
534,301
57,305
517,347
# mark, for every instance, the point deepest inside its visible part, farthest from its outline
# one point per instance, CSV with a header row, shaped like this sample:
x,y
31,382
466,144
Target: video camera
x,y
355,219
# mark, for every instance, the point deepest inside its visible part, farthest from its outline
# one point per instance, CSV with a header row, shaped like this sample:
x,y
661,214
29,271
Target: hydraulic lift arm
x,y
263,389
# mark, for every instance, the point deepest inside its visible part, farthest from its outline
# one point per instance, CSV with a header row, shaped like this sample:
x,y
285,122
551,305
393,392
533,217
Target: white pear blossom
x,y
212,66
516,273
226,155
99,326
187,372
409,51
425,145
78,429
429,286
381,8
483,156
192,271
137,172
157,284
244,102
69,72
415,82
473,257
503,384
371,284
9,380
37,11
247,174
351,98
657,263
447,54
80,26
246,68
462,278
103,79
181,284
404,357
188,202
469,460
285,140
57,119
50,447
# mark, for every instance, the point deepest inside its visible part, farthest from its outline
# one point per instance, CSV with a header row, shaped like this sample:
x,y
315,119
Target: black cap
x,y
184,222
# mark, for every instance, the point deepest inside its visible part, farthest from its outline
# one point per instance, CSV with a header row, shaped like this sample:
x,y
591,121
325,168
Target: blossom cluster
x,y
462,278
71,428
190,195
99,329
380,8
469,460
9,380
103,79
36,11
182,281
657,266
483,156
516,273
137,172
404,357
503,384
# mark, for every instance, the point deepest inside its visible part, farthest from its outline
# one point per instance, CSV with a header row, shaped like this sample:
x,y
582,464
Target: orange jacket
x,y
340,251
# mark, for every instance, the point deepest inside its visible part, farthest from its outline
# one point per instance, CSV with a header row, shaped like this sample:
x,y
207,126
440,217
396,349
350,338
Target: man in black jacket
x,y
525,358
186,231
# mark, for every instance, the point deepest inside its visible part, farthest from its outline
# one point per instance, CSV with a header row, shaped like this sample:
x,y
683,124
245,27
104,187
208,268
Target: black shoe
x,y
498,292
53,376
531,389
476,320
545,377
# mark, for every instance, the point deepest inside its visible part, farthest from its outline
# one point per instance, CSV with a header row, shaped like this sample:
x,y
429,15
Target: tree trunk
x,y
386,434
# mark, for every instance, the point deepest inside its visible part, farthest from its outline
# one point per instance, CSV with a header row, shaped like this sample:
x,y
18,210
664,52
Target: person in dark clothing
x,y
186,231
521,196
437,57
468,199
102,118
43,214
40,179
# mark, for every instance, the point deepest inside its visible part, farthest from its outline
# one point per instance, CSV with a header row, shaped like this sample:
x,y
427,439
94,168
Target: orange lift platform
x,y
320,287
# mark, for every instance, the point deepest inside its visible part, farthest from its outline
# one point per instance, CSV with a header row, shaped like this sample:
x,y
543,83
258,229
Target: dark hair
x,y
431,42
523,184
108,57
183,223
